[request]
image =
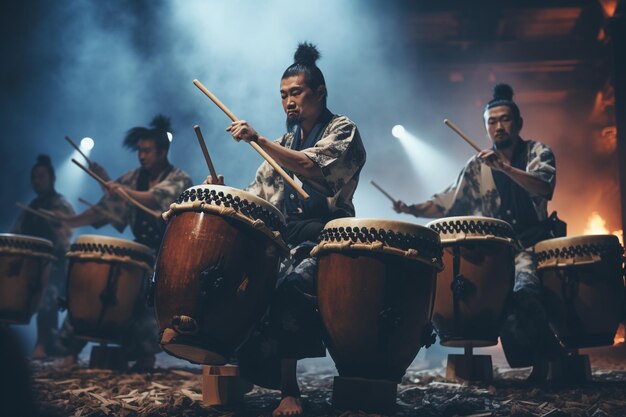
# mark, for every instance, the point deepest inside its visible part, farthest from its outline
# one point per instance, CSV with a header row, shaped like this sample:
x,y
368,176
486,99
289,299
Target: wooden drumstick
x,y
38,212
205,151
393,200
255,145
75,146
461,134
119,191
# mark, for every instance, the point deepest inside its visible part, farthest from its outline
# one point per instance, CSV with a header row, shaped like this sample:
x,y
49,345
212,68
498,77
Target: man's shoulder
x,y
179,173
341,121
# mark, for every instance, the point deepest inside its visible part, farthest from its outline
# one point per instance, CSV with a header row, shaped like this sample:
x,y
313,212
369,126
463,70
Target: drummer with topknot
x,y
325,152
512,181
156,184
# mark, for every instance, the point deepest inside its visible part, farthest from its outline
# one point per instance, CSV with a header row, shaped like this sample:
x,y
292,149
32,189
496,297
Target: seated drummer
x,y
325,152
512,181
156,184
42,178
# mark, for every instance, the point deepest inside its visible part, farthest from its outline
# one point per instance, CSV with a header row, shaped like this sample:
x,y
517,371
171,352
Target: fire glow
x,y
596,225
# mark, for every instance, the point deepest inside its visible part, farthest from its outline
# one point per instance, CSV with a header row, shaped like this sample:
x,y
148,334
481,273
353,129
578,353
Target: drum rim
x,y
114,241
448,238
577,240
27,238
356,221
241,193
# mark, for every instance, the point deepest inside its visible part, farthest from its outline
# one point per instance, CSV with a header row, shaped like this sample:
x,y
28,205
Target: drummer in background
x,y
512,181
42,178
156,184
325,152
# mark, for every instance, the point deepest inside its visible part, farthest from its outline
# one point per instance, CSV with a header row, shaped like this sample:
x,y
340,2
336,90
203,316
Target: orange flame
x,y
620,336
596,225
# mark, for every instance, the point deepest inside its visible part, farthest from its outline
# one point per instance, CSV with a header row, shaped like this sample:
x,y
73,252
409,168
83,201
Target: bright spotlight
x,y
87,144
397,131
170,136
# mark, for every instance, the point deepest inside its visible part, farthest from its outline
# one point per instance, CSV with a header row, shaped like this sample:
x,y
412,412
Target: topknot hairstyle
x,y
159,126
503,96
305,59
46,162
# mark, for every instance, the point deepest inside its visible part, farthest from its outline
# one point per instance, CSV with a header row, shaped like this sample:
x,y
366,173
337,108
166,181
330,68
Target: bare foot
x,y
39,352
289,406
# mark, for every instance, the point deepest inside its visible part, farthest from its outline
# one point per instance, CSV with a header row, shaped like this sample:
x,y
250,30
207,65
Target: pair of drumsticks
x,y
456,130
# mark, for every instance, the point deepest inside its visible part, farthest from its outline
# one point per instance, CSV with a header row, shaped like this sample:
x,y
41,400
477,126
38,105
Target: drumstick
x,y
38,212
255,145
121,192
461,134
393,200
205,151
75,146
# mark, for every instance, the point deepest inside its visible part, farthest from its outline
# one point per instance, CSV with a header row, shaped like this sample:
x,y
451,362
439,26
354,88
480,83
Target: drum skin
x,y
486,264
376,310
24,272
584,292
219,272
90,284
107,277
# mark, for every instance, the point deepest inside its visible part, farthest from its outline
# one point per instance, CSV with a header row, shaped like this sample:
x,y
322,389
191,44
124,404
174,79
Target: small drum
x,y
479,260
375,285
106,278
24,266
215,271
583,281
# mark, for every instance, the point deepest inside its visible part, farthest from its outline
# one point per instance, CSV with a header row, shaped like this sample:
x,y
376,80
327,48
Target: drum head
x,y
111,249
25,245
455,229
577,250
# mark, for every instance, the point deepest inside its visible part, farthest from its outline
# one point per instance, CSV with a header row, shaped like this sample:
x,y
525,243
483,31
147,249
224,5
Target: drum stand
x,y
570,369
369,395
107,357
469,367
222,385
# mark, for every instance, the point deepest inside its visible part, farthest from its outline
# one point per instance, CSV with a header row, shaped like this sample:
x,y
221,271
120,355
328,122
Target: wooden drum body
x,y
106,278
376,284
478,278
583,283
216,271
24,268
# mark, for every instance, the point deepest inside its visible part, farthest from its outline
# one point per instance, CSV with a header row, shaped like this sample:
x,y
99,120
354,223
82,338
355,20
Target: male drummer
x,y
42,178
512,181
325,152
155,184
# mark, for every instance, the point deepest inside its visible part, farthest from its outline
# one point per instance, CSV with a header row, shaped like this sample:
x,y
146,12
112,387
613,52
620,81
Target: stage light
x,y
170,136
398,131
87,144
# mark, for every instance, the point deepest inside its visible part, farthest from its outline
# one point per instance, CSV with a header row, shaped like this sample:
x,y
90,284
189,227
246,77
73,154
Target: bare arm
x,y
426,209
526,180
295,161
85,218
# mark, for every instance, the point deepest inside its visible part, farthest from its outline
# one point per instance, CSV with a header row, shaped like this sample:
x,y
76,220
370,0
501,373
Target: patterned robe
x,y
292,328
525,335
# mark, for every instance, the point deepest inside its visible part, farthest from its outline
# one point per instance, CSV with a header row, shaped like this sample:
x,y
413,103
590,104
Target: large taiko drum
x,y
583,283
216,271
375,285
478,277
24,266
107,277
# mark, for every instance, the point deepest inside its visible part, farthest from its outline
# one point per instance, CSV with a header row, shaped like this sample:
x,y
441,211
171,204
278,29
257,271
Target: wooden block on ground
x,y
222,385
107,357
360,394
469,368
572,369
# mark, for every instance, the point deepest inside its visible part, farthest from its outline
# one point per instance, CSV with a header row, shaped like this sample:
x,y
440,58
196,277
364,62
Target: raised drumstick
x,y
120,192
205,151
255,145
461,134
75,146
38,212
379,188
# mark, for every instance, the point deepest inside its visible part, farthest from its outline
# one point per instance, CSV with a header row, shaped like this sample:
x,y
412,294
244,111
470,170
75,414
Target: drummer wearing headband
x,y
156,184
512,181
43,178
325,152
